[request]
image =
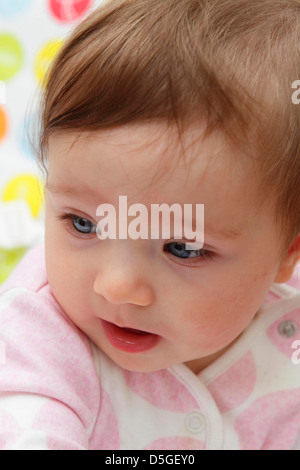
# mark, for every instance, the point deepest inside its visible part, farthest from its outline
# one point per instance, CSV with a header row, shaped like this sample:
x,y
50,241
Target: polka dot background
x,y
31,34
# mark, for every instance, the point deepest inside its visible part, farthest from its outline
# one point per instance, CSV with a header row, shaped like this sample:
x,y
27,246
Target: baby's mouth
x,y
137,332
129,339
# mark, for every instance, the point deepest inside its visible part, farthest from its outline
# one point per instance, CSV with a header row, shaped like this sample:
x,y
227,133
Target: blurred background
x,y
31,34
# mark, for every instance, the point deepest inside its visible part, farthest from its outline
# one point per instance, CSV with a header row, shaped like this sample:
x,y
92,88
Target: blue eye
x,y
78,224
179,250
83,225
191,258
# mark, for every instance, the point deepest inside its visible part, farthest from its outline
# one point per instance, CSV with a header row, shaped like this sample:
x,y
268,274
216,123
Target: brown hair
x,y
228,63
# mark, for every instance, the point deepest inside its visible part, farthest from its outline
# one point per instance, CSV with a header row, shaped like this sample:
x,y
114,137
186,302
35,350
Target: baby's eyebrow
x,y
221,233
69,190
57,189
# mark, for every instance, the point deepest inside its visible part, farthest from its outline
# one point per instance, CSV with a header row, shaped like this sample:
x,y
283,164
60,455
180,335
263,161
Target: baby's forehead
x,y
150,158
152,142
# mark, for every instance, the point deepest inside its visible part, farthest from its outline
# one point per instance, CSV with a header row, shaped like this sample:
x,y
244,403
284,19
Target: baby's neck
x,y
198,365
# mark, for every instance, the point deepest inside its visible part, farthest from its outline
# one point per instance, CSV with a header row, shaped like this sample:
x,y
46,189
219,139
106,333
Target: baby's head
x,y
174,101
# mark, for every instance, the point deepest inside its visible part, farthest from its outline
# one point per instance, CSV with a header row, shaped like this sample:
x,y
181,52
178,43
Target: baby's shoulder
x,y
28,304
37,334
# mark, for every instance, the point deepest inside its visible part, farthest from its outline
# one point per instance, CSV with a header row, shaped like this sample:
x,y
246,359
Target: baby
x,y
154,343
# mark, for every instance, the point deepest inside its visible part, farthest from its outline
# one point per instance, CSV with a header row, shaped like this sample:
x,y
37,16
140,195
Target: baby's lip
x,y
129,339
130,328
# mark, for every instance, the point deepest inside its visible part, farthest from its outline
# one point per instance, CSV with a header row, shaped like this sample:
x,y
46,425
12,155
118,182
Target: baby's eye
x,y
83,225
179,250
78,224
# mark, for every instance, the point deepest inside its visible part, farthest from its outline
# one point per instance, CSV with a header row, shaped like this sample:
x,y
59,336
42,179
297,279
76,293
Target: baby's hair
x,y
227,63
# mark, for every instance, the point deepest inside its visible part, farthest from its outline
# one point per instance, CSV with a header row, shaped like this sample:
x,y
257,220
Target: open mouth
x,y
129,339
137,332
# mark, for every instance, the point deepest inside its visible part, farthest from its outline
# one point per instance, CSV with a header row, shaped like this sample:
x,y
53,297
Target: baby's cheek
x,y
206,328
222,319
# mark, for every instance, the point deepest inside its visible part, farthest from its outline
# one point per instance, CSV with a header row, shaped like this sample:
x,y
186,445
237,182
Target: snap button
x,y
195,422
287,328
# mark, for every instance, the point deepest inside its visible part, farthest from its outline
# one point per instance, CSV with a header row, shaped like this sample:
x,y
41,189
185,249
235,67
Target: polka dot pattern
x,y
52,419
176,443
24,62
243,376
10,429
147,387
106,426
271,422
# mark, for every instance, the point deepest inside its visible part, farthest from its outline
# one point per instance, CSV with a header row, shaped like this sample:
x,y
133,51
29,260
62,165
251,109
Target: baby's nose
x,y
120,285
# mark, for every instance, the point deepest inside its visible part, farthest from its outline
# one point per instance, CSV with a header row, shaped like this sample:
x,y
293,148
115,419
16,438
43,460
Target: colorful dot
x,y
9,259
28,188
11,56
69,10
3,123
13,7
45,58
25,133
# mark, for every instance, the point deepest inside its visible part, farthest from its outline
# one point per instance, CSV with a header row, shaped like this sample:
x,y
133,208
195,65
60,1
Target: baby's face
x,y
190,305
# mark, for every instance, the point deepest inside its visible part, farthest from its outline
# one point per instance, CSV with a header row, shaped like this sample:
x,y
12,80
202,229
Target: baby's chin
x,y
139,363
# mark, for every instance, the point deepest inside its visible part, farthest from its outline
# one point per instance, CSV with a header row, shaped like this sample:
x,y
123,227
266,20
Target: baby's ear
x,y
287,266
